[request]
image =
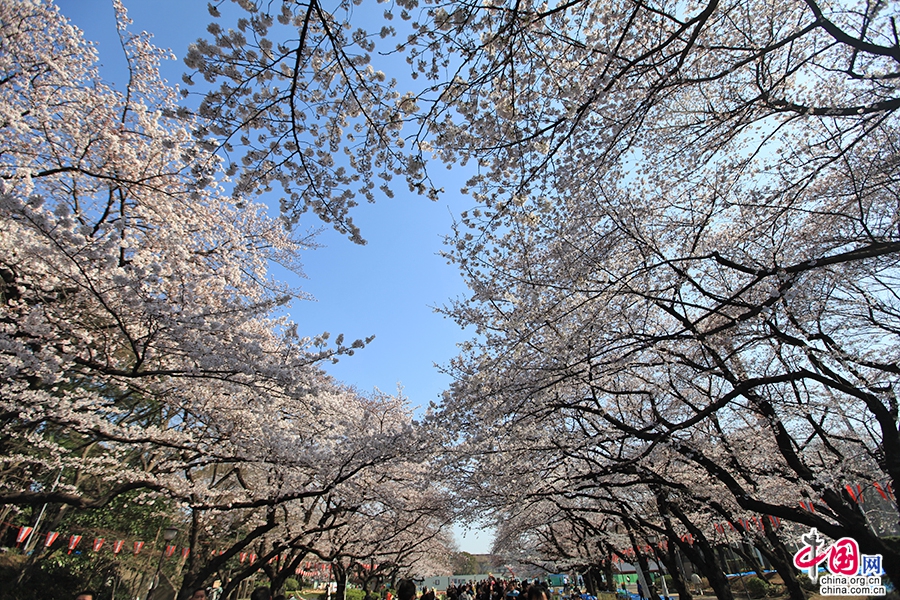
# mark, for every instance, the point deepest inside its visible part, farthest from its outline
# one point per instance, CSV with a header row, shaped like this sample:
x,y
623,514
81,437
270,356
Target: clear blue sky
x,y
386,288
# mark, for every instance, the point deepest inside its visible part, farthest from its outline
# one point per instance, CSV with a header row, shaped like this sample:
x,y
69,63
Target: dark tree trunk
x,y
192,565
287,569
703,556
590,581
608,575
340,577
751,560
782,560
667,558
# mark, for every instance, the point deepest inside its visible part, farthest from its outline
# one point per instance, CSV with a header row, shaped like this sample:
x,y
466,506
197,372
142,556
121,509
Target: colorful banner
x,y
855,492
24,532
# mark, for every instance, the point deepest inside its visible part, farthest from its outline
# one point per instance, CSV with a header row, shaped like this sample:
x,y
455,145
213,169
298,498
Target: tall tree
x,y
140,347
686,233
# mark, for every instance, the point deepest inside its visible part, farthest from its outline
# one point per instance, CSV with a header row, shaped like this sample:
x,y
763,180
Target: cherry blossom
x,y
142,345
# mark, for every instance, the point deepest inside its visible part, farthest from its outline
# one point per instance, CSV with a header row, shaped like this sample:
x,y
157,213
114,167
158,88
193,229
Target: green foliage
x,y
59,575
465,564
357,594
756,587
354,594
131,514
291,584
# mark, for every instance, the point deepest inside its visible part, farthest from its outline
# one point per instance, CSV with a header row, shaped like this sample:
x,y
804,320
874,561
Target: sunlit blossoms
x,y
682,258
140,349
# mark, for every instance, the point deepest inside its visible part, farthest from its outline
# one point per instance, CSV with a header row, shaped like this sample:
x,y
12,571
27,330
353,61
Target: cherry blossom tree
x,y
292,99
380,513
686,231
129,287
140,344
309,483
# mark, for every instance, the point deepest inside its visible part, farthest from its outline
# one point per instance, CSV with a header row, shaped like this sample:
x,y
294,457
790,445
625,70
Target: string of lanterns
x,y
306,570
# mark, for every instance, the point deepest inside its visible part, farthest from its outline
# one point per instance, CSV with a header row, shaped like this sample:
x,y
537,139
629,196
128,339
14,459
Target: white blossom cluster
x,y
140,347
293,102
682,263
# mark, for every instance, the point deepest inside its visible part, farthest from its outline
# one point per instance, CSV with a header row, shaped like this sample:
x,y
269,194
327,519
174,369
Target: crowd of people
x,y
260,593
499,589
491,589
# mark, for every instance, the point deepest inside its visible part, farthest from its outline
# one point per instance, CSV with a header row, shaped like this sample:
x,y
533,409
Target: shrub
x,y
56,576
291,584
756,587
354,594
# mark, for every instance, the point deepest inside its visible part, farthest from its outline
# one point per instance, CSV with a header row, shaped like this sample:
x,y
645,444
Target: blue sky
x,y
387,288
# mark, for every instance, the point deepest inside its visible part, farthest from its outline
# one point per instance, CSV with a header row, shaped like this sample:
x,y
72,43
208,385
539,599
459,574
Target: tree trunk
x,y
783,562
750,559
191,565
366,591
667,558
340,577
702,555
284,570
644,566
608,575
201,574
589,581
